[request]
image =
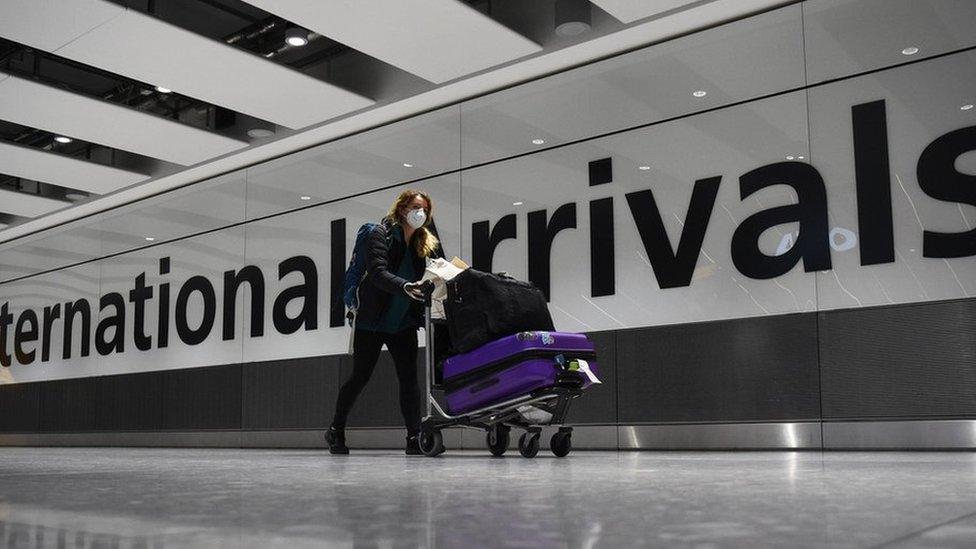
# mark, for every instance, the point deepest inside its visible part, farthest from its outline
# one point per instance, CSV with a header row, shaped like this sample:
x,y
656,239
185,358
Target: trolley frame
x,y
554,400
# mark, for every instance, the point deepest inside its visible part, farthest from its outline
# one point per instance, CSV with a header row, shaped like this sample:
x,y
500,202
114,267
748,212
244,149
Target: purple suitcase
x,y
511,367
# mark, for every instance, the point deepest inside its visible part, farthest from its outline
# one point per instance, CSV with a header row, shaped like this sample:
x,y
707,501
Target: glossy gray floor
x,y
62,497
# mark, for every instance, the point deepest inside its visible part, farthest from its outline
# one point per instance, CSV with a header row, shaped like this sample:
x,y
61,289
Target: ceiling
x,y
143,93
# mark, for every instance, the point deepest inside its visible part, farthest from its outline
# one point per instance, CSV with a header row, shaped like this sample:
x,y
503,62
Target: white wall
x,y
779,84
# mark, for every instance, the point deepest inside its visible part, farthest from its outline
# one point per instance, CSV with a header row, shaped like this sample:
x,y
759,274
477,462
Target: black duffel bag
x,y
481,307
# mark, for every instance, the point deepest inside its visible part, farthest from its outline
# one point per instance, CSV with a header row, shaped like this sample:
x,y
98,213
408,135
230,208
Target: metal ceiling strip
x,y
628,11
37,105
62,170
28,205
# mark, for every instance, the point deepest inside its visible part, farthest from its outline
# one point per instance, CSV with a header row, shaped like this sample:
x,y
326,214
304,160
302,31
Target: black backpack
x,y
357,268
482,307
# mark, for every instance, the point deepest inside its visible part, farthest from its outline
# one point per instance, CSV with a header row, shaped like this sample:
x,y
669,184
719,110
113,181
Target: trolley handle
x,y
427,288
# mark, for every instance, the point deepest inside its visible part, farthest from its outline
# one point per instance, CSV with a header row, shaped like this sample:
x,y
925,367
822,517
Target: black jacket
x,y
383,255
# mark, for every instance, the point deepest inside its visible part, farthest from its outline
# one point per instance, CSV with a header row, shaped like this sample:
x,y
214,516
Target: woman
x,y
390,311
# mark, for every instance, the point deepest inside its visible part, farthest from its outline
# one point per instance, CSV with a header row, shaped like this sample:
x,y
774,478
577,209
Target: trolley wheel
x,y
431,443
529,445
498,437
561,443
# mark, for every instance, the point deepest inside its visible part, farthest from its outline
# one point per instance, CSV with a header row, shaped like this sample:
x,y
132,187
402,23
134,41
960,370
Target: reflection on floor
x,y
153,498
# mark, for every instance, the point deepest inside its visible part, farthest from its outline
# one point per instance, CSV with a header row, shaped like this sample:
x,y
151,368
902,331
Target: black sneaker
x,y
336,439
413,446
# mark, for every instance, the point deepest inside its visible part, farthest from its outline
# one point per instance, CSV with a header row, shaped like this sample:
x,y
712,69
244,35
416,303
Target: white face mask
x,y
416,218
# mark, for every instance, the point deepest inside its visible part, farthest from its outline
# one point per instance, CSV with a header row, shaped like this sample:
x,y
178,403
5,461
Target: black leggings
x,y
366,351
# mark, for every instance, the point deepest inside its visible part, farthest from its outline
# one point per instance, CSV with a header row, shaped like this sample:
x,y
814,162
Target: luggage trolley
x,y
549,405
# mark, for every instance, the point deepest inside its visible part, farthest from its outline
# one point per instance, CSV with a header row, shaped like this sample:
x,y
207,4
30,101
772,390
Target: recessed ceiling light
x,y
800,157
257,133
296,37
910,50
305,197
643,168
407,165
62,139
517,203
572,28
538,141
150,238
790,157
699,93
966,107
161,89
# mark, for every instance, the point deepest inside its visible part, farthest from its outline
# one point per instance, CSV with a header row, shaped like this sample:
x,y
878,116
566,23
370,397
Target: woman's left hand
x,y
414,290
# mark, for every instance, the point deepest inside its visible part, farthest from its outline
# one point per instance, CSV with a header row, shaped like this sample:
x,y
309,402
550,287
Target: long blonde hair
x,y
423,240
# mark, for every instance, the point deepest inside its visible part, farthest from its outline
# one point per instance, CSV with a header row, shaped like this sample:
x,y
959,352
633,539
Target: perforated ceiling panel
x,y
49,24
435,39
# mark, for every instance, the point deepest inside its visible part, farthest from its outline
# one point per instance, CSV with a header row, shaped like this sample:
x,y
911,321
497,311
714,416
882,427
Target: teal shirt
x,y
396,319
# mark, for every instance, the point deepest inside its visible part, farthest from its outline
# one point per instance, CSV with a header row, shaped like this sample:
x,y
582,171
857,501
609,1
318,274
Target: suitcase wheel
x,y
529,445
498,437
431,443
561,443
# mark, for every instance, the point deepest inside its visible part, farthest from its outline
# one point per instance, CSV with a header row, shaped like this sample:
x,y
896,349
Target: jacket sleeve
x,y
378,265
